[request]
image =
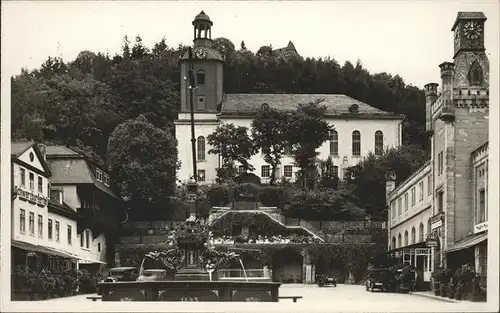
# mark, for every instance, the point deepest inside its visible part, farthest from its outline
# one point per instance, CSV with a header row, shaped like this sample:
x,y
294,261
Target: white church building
x,y
359,127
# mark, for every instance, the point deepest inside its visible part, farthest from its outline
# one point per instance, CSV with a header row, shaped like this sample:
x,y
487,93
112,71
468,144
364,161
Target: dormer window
x,y
98,174
475,74
106,179
354,108
57,195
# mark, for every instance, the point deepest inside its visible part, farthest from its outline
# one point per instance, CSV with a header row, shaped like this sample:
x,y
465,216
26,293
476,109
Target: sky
x,y
409,38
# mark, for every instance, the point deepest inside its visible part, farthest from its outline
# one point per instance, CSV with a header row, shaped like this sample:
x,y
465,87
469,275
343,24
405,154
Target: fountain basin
x,y
236,291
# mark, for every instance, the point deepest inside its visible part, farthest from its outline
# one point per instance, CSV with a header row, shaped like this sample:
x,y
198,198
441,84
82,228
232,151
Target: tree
x,y
226,49
369,174
143,161
233,144
269,130
307,131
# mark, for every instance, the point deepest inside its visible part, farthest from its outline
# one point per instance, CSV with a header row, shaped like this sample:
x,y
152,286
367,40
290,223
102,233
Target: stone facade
x,y
457,124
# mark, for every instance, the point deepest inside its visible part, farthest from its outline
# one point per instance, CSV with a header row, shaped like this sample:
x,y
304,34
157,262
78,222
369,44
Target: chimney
x,y
430,98
43,149
448,110
390,182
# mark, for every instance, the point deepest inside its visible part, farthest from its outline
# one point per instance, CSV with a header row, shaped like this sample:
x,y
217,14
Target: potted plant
x,y
441,276
463,277
478,288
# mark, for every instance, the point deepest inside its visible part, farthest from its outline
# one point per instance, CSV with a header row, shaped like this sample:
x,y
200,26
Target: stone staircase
x,y
273,213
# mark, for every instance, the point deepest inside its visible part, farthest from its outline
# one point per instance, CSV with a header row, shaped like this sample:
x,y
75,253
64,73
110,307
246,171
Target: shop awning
x,y
468,242
412,246
41,249
89,261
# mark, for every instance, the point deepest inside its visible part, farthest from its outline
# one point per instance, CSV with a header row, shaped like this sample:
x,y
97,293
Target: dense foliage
x,y
80,103
143,158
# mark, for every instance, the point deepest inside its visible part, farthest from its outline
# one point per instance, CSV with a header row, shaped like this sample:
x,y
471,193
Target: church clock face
x,y
201,53
472,30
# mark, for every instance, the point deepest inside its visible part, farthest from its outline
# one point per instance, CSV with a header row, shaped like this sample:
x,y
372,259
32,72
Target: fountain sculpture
x,y
193,263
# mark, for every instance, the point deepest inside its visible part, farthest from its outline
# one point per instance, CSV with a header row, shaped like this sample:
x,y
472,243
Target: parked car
x,y
120,274
153,275
323,280
381,279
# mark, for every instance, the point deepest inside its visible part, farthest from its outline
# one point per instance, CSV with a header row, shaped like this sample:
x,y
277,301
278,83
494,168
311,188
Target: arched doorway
x,y
287,266
331,268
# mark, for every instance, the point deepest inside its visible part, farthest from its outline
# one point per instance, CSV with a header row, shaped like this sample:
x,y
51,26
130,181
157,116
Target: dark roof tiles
x,y
336,104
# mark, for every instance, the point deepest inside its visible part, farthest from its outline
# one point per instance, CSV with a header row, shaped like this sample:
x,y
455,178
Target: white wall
x,y
18,204
366,127
421,212
63,243
70,196
93,252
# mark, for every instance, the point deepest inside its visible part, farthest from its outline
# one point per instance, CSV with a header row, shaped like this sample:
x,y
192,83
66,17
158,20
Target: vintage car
x,y
120,274
323,280
381,279
153,275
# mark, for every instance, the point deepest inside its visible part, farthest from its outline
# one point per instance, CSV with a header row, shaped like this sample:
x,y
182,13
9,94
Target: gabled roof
x,y
69,167
336,104
60,151
18,148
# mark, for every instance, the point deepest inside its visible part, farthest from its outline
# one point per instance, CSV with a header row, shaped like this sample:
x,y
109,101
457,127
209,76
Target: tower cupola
x,y
202,30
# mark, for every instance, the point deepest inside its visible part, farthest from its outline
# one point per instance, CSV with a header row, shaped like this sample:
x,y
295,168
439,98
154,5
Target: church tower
x,y
207,70
207,66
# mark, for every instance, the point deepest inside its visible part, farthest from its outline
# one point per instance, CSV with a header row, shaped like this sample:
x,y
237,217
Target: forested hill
x,y
79,103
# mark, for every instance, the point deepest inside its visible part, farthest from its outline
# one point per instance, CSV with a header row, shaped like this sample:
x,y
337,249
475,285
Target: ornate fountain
x,y
193,261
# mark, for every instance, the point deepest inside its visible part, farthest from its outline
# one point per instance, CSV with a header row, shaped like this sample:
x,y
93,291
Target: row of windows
x,y
409,199
31,180
409,241
102,177
53,229
356,143
333,139
265,171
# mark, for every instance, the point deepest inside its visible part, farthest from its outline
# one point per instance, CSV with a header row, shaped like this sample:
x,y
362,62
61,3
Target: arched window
x,y
356,143
200,148
200,77
393,243
379,142
399,241
421,233
475,74
428,227
413,235
406,238
334,143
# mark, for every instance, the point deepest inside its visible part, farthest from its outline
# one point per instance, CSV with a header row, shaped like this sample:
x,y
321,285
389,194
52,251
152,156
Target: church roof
x,y
336,104
212,54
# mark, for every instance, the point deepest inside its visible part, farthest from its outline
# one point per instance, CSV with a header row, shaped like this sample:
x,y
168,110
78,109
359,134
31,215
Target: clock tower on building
x,y
207,70
471,61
